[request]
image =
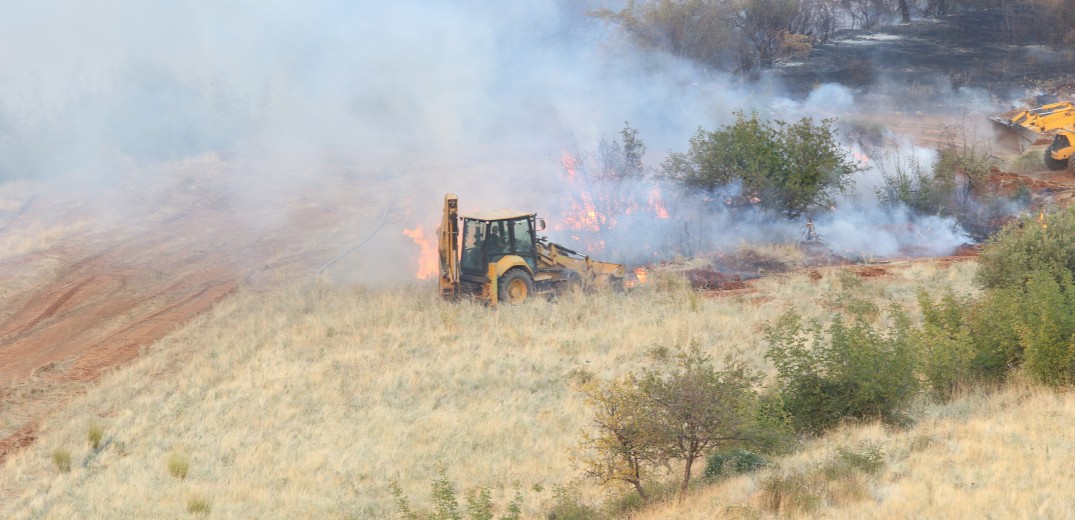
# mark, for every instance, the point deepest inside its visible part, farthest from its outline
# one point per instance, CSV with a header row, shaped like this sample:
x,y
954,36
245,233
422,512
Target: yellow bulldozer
x,y
1030,124
502,259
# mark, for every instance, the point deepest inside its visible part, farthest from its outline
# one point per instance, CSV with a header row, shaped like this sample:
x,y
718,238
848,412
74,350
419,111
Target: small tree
x,y
676,411
784,167
695,407
621,447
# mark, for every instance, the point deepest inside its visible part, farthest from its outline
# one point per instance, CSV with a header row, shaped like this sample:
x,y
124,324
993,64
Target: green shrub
x,y
478,502
848,370
784,167
945,344
1034,243
62,459
178,465
1048,333
731,462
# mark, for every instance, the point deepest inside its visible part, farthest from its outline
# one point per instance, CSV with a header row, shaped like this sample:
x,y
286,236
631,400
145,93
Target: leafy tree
x,y
784,167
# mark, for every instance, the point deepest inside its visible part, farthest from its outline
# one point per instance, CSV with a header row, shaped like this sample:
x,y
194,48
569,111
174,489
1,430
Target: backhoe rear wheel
x,y
514,286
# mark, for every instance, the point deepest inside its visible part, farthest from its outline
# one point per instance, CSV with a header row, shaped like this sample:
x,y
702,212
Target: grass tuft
x,y
199,506
178,465
62,459
94,436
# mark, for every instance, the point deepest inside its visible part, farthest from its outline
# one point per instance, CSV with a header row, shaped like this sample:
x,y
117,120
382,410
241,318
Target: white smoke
x,y
430,96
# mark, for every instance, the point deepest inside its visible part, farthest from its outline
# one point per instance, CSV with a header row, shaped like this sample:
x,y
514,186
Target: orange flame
x,y
427,260
657,203
861,157
583,214
1041,218
640,278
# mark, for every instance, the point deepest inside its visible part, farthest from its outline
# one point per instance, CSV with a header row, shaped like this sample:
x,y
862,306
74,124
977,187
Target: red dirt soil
x,y
125,284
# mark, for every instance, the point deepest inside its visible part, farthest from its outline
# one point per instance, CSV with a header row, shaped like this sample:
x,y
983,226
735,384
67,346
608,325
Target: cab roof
x,y
497,214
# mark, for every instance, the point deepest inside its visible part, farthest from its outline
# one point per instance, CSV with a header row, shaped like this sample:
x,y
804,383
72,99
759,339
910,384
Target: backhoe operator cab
x,y
505,239
500,258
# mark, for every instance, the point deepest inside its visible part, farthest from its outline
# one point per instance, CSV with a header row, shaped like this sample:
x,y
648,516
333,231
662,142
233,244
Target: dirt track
x,y
98,296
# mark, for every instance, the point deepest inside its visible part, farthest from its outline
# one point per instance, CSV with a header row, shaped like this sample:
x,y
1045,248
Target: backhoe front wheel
x,y
514,287
1055,164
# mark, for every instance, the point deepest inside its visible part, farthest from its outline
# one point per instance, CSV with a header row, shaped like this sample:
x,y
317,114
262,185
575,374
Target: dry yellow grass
x,y
304,403
1003,455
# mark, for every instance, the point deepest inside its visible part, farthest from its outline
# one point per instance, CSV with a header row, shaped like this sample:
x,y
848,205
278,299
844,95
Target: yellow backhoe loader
x,y
502,259
1031,124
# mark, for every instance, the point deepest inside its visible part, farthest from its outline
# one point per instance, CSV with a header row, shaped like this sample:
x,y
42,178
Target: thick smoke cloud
x,y
429,96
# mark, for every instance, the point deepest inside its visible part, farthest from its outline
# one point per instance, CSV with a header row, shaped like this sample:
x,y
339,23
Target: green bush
x,y
945,344
732,462
1048,332
784,167
1035,243
848,370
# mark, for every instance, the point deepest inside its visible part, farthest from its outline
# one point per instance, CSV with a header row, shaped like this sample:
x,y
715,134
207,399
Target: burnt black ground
x,y
933,57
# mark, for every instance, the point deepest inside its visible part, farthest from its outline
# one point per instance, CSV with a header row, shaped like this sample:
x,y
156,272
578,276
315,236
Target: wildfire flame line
x,y
427,260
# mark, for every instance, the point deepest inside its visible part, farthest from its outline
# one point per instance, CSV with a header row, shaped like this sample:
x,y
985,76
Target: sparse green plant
x,y
62,459
867,458
840,478
94,436
792,492
676,411
178,465
198,505
568,504
478,502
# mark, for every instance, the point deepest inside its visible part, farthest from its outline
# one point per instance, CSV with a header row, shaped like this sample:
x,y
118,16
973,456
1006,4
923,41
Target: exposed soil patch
x,y
871,271
122,284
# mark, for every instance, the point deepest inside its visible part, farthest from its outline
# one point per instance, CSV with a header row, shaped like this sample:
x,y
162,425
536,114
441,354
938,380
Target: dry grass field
x,y
305,402
1002,455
